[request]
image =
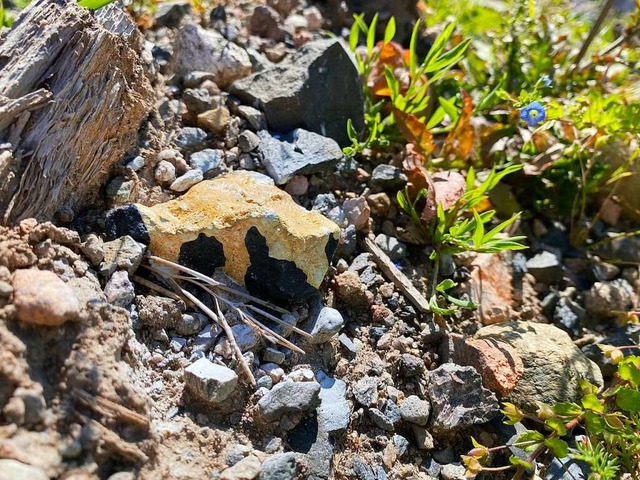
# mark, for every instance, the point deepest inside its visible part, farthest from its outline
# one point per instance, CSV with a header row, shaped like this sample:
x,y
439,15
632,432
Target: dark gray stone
x,y
197,100
546,267
248,141
388,177
279,467
411,365
289,397
298,153
190,138
604,271
458,398
380,419
318,88
625,249
568,315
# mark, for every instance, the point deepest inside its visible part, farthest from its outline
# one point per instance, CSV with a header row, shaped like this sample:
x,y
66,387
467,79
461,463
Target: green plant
x,y
611,420
397,87
5,20
460,228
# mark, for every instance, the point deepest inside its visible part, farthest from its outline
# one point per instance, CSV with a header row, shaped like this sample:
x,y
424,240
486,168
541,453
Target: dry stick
x,y
112,440
219,319
276,338
153,286
267,315
219,285
592,33
396,276
258,325
105,407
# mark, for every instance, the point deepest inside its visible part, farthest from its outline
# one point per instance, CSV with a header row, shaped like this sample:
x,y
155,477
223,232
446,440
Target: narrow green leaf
x,y
371,35
354,36
436,118
628,400
450,108
558,447
479,232
413,56
500,228
448,59
390,30
403,202
471,179
519,462
439,44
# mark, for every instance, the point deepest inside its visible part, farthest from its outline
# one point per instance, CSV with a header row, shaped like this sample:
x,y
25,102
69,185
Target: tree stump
x,y
73,94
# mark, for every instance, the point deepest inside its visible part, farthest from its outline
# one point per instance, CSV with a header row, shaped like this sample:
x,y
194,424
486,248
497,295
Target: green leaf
x,y
628,400
567,409
371,35
439,44
436,118
594,423
94,4
479,232
591,402
413,56
448,59
445,285
471,179
435,308
629,371
556,425
518,462
557,446
501,227
390,30
403,202
354,35
449,107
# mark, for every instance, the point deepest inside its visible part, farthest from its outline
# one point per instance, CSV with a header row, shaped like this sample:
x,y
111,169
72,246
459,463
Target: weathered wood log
x,y
73,94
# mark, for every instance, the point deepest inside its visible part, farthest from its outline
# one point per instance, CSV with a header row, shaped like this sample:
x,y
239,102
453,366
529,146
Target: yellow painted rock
x,y
242,223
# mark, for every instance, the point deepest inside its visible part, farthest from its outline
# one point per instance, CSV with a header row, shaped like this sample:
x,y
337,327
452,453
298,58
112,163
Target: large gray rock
x,y
197,49
415,410
458,398
552,363
210,382
289,397
317,88
298,153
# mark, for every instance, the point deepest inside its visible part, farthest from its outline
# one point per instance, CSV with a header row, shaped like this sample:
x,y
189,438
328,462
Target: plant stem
x,y
592,33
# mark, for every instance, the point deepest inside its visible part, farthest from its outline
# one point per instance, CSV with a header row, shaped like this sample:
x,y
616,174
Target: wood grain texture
x,y
93,97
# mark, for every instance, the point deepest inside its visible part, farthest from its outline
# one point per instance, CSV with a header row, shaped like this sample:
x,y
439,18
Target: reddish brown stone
x,y
497,362
491,286
40,297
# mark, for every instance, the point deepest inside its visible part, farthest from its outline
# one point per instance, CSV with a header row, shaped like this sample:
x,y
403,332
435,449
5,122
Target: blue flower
x,y
546,80
533,114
